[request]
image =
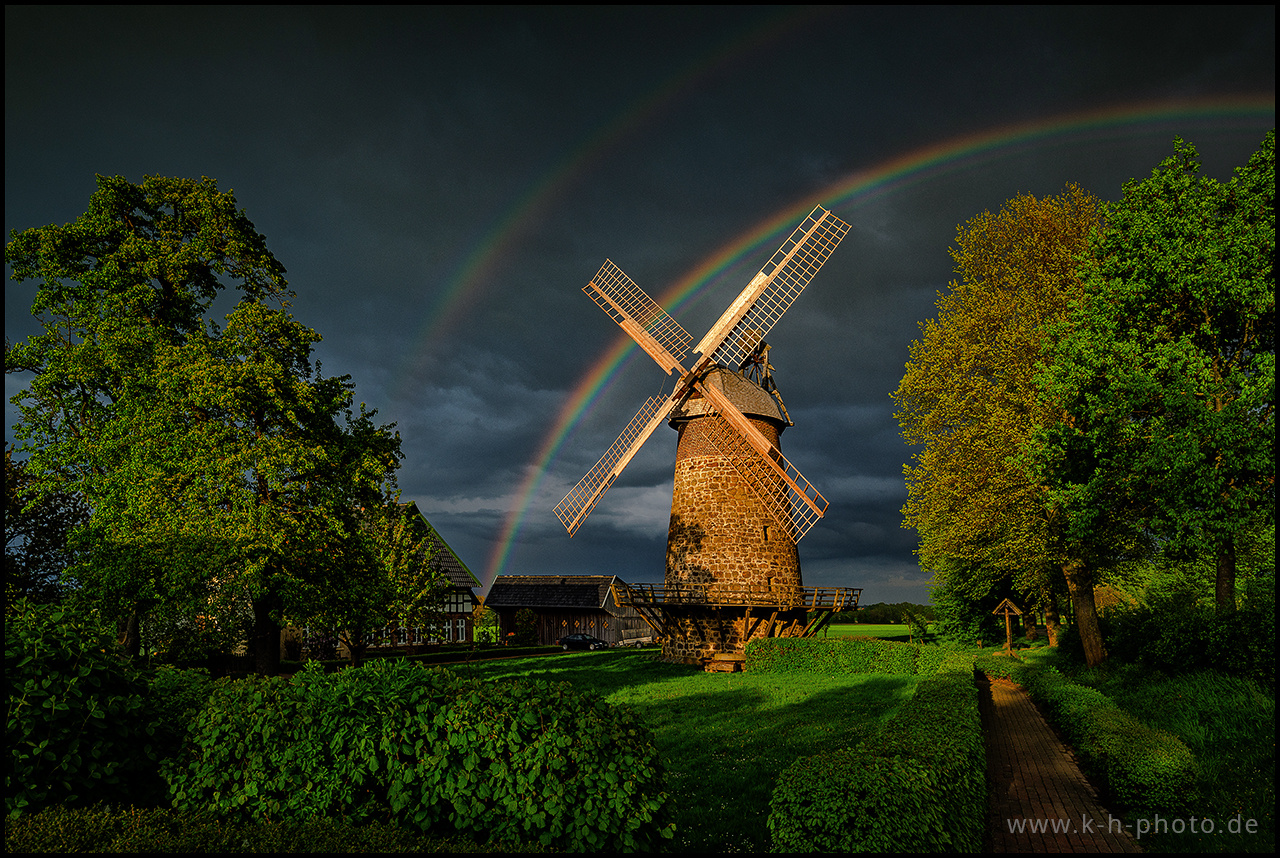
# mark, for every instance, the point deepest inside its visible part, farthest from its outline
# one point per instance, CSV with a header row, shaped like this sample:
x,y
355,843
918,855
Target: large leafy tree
x,y
391,560
1167,375
969,398
36,532
218,462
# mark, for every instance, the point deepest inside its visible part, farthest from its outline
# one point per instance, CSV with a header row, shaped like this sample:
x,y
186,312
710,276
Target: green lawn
x,y
723,737
870,630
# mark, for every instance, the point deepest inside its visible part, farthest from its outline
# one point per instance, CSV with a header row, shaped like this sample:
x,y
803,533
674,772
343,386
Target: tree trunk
x,y
1225,582
1051,621
356,647
1080,584
266,635
131,637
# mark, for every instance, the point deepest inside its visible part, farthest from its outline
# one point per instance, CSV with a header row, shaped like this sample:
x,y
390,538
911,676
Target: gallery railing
x,y
809,598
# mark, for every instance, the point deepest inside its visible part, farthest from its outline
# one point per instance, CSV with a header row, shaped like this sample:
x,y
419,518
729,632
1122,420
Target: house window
x,y
458,603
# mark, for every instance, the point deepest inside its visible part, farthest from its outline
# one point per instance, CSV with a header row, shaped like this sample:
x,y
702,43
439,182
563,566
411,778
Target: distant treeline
x,y
883,612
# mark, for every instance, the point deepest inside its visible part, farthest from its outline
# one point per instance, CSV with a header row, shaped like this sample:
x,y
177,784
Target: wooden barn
x,y
566,604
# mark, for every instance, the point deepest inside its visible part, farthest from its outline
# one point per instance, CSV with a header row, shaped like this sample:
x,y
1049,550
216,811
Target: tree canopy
x,y
36,530
969,398
1099,382
1166,372
392,580
217,461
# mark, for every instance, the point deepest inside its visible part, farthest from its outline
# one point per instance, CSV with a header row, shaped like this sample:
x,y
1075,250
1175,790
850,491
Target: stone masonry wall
x,y
722,537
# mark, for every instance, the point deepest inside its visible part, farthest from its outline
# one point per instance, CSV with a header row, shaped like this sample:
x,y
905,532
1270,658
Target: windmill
x,y
746,583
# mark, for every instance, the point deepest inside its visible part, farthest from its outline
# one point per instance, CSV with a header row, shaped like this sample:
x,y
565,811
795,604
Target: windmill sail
x,y
578,503
750,318
795,504
793,501
640,316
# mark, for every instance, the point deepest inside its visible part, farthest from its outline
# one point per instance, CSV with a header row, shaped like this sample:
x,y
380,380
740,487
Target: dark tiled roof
x,y
551,591
443,557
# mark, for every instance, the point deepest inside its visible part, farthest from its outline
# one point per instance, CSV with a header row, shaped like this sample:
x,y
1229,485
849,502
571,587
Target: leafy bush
x,y
177,696
963,621
1177,636
930,659
395,741
77,724
107,829
1141,766
918,786
526,633
917,624
1227,722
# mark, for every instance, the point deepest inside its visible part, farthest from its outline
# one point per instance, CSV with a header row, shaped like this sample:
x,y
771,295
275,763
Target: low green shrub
x,y
77,723
917,786
929,659
834,656
1227,722
1184,637
1141,766
107,829
176,697
394,741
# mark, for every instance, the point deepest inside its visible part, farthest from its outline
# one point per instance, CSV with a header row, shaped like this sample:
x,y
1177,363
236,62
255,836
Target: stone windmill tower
x,y
739,507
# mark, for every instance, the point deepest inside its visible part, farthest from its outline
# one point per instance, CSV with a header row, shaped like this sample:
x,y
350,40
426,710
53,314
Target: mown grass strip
x,y
725,737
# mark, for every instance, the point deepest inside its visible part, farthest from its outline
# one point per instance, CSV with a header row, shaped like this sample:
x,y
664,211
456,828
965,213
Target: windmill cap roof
x,y
750,398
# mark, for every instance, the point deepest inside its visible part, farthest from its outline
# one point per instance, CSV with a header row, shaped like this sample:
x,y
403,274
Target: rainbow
x,y
844,196
466,282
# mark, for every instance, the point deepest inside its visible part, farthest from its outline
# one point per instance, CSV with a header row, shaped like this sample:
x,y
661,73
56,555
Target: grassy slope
x,y
724,737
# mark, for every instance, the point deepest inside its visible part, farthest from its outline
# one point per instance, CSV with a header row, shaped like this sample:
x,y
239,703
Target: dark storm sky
x,y
440,183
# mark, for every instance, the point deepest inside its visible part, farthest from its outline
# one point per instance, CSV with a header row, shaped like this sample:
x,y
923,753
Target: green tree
x,y
1166,375
218,462
970,399
36,532
391,579
407,555
485,622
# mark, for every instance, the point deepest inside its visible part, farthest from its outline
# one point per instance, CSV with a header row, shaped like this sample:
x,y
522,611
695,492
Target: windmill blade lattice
x,y
791,498
579,502
639,315
793,501
778,284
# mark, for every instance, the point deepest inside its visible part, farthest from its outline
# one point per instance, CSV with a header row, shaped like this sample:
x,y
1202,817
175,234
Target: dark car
x,y
581,642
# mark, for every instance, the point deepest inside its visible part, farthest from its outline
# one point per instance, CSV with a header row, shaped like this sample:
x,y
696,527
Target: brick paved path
x,y
1035,781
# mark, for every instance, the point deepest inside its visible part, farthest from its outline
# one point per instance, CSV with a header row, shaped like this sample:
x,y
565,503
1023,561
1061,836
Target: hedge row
x,y
1140,766
917,786
395,741
127,829
836,656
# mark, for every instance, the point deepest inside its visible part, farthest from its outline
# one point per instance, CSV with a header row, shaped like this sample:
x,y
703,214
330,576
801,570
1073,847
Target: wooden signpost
x,y
1008,609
